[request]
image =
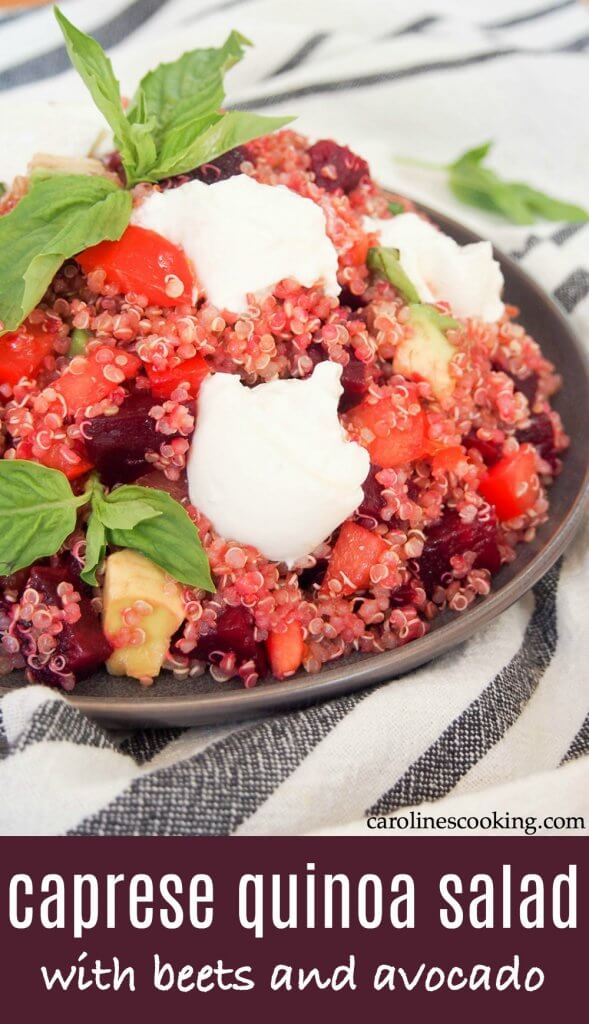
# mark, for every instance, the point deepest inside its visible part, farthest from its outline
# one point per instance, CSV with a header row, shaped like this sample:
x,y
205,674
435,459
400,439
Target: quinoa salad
x,y
256,414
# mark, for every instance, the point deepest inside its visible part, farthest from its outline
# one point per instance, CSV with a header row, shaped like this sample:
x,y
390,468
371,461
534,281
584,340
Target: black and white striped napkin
x,y
500,726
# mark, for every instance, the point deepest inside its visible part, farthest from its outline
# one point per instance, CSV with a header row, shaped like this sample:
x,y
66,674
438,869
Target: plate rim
x,y
231,705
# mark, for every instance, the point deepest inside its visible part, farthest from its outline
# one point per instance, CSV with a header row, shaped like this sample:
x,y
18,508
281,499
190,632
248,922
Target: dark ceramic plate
x,y
123,702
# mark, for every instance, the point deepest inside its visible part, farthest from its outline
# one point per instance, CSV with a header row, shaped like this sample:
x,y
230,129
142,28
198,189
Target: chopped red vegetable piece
x,y
145,263
490,450
286,650
81,645
337,166
452,536
68,460
511,485
22,352
234,633
355,552
449,459
118,444
191,371
373,501
87,380
388,446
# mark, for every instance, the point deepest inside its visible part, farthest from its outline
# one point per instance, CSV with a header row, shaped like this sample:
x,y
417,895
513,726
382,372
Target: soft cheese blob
x,y
466,276
243,237
271,466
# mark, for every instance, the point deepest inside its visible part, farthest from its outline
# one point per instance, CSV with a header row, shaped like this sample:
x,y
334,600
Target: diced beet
x,y
355,384
353,302
313,576
177,489
490,450
527,385
234,634
82,645
117,444
46,578
452,536
373,500
5,613
405,594
413,490
316,353
16,582
336,166
540,433
71,569
225,166
113,162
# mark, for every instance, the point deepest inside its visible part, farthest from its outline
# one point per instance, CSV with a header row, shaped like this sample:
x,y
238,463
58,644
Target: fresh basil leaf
x,y
183,100
476,185
474,156
2,188
174,123
58,217
37,513
547,207
386,262
483,187
95,549
124,514
518,202
471,196
134,141
188,87
396,208
177,143
170,540
182,150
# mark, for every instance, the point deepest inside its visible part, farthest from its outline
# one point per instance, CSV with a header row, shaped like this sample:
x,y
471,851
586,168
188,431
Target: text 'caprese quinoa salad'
x,y
256,416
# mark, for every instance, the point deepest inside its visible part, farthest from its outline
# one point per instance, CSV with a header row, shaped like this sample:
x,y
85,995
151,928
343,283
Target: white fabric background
x,y
386,77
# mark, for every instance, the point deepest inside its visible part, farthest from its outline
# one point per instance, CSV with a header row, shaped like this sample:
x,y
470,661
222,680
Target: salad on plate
x,y
257,414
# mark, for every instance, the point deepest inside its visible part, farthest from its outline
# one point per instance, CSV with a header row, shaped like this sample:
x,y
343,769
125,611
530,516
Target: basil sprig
x,y
58,217
477,185
174,122
38,512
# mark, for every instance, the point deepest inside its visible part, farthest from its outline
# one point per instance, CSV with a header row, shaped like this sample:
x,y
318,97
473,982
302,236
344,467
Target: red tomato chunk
x,y
87,380
388,446
286,650
145,263
72,462
355,552
22,353
511,485
191,372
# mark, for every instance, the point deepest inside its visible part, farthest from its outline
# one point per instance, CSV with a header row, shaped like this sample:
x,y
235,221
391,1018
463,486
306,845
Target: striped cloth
x,y
499,725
